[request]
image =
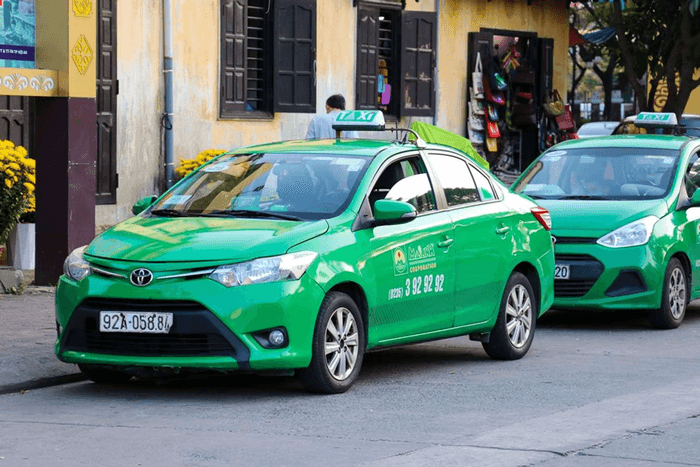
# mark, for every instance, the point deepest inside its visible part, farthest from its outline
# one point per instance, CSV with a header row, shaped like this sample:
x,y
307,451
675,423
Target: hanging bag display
x,y
494,73
478,78
524,112
475,121
565,121
553,105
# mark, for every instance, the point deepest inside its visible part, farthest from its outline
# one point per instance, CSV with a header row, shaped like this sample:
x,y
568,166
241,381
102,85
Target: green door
x,y
689,220
483,237
411,264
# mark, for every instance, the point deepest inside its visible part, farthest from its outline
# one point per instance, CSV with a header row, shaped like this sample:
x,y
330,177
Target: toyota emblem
x,y
141,277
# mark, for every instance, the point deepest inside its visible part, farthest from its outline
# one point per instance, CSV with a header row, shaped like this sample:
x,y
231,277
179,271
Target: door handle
x,y
445,243
503,230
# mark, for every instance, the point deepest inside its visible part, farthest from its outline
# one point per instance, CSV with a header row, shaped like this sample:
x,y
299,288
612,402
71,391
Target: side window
x,y
261,39
455,178
405,180
692,177
483,185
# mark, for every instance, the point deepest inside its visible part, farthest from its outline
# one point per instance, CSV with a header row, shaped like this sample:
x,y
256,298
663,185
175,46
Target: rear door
x,y
483,236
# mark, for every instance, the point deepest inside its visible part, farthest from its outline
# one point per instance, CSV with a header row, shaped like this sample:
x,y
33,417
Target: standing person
x,y
321,126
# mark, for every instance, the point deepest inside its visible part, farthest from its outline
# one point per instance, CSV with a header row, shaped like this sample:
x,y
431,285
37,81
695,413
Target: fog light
x,y
276,337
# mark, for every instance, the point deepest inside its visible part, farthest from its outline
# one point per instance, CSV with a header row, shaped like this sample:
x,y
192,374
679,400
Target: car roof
x,y
350,147
627,141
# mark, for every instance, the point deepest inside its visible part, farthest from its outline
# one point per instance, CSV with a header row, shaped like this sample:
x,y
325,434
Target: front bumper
x,y
214,327
608,278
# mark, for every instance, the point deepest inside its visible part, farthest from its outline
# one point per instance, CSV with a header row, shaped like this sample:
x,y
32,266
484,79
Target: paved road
x,y
596,389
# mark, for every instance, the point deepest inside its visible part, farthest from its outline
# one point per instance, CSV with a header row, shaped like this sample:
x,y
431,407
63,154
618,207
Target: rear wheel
x,y
674,298
338,346
512,335
102,375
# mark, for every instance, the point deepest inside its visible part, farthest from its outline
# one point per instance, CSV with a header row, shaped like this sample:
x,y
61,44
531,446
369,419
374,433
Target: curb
x,y
41,383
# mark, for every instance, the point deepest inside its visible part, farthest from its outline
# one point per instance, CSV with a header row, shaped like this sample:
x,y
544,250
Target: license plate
x,y
561,271
135,321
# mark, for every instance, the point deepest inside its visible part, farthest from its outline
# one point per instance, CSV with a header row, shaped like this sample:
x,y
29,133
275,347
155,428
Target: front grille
x,y
574,240
196,331
585,271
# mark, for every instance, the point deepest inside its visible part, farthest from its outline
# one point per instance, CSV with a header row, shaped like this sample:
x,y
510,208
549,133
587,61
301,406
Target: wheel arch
x,y
685,262
355,291
530,272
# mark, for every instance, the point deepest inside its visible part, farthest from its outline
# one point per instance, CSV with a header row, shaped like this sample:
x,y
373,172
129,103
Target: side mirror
x,y
387,211
142,204
695,199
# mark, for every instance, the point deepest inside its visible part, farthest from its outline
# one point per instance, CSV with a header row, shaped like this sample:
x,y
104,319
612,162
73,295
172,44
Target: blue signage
x,y
17,33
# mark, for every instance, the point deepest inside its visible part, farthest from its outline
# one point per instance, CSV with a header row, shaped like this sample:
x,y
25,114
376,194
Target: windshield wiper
x,y
583,197
249,213
169,213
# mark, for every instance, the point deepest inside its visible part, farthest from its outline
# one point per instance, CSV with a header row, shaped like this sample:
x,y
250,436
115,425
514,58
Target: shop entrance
x,y
509,74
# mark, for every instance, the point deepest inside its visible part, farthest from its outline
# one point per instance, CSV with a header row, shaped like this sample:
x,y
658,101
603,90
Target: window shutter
x,y
418,40
233,59
546,64
106,97
367,59
295,56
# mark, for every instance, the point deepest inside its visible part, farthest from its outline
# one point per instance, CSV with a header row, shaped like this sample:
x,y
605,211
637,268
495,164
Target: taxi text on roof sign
x,y
657,119
359,120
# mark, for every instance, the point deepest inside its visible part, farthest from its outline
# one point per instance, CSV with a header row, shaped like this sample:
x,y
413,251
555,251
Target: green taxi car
x,y
626,220
299,256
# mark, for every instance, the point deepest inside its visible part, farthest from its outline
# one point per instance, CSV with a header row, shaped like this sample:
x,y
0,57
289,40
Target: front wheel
x,y
338,346
674,298
512,335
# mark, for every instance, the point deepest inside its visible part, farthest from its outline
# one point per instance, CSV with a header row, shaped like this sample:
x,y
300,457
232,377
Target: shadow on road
x,y
608,320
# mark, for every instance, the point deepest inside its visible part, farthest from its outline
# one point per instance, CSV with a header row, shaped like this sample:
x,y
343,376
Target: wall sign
x,y
17,33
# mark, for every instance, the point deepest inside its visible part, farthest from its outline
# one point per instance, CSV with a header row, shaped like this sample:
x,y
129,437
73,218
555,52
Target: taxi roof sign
x,y
359,120
656,120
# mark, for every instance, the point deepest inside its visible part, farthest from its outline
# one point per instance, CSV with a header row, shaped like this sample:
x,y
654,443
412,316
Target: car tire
x,y
338,346
102,375
674,298
512,335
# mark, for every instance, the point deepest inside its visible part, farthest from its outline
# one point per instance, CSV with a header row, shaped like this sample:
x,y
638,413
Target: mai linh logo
x,y
400,262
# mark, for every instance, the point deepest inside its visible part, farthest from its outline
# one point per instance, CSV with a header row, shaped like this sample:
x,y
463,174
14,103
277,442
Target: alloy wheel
x,y
518,316
341,344
676,293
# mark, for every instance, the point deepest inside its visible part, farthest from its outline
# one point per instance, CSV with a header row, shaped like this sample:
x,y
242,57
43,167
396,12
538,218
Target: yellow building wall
x,y
196,125
547,18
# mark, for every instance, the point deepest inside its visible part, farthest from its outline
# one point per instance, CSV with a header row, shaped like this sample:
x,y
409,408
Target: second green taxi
x,y
300,256
626,219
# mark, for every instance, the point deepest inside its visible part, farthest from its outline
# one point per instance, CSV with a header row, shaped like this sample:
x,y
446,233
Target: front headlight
x,y
633,234
277,268
75,266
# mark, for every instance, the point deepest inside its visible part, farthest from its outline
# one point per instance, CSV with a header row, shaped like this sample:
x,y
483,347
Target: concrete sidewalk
x,y
27,337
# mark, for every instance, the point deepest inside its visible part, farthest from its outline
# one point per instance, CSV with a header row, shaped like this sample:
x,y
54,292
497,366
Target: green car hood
x,y
159,239
593,218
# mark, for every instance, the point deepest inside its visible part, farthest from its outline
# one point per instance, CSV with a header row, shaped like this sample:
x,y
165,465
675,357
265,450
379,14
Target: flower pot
x,y
21,246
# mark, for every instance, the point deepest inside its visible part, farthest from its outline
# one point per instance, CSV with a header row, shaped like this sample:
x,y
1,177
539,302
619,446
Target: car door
x,y
689,219
483,237
411,264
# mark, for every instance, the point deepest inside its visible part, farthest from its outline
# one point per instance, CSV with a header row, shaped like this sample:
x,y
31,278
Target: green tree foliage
x,y
661,37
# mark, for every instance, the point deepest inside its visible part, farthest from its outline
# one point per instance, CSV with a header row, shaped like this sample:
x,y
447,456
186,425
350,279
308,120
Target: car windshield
x,y
286,186
600,173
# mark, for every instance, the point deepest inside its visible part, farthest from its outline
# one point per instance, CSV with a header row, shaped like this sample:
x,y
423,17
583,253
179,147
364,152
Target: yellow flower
x,y
30,178
9,173
8,183
28,186
14,166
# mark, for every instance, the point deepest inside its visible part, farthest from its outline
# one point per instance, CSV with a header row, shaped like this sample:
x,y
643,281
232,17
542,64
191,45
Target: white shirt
x,y
321,126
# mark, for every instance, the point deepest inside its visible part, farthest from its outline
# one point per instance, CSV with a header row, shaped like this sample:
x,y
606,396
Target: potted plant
x,y
17,201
